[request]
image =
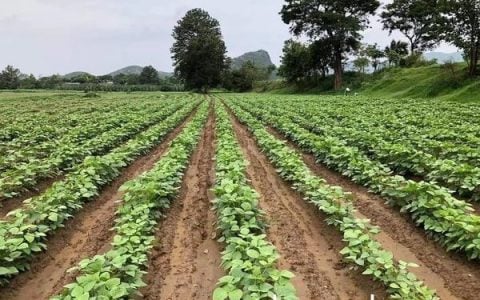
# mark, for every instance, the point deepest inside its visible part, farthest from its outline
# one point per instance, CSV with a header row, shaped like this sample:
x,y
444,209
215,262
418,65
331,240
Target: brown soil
x,y
7,205
186,262
307,245
87,234
450,274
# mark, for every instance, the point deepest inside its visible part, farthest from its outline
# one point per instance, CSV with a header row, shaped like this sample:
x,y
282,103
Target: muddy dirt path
x,y
307,245
86,235
453,276
185,264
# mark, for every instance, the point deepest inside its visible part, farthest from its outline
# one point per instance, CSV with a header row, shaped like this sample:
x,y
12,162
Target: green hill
x,y
259,58
424,82
446,82
75,74
137,70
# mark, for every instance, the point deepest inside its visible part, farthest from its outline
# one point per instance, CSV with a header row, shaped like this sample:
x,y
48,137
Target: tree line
x,y
148,79
333,30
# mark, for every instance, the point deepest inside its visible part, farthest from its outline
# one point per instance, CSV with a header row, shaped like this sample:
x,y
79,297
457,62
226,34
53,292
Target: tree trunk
x,y
338,70
473,60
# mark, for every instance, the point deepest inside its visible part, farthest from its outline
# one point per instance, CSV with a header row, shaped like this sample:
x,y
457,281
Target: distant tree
x,y
29,82
10,78
417,20
295,61
337,23
132,79
242,80
321,57
461,27
149,75
375,55
51,82
105,78
361,63
395,52
199,52
120,79
83,78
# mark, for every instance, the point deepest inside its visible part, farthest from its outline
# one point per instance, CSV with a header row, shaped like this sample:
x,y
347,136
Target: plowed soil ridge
x,y
88,233
451,274
185,263
307,245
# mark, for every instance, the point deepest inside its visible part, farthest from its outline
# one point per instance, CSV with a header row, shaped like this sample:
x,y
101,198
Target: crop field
x,y
238,196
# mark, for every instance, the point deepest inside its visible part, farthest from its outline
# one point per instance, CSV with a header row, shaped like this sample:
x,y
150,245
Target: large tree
x,y
199,52
10,78
149,75
461,27
337,22
295,61
417,20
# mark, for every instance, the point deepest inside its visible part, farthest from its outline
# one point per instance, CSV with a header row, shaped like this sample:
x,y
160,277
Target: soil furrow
x,y
452,275
87,234
185,263
307,245
7,205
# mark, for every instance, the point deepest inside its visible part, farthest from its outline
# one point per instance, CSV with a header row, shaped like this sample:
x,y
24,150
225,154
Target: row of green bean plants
x,y
68,152
118,273
249,259
25,231
463,179
447,219
361,250
40,145
434,129
49,119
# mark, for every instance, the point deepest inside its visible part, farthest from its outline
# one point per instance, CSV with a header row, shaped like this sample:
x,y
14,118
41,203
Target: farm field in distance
x,y
152,195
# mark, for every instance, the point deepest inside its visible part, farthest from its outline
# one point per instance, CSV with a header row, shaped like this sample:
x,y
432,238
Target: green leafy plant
x,y
248,257
362,250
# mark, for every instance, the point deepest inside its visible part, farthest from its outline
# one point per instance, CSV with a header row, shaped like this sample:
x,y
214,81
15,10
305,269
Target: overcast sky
x,y
99,36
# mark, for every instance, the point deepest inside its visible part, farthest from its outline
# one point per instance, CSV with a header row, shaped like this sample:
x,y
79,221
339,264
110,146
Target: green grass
x,y
433,82
424,82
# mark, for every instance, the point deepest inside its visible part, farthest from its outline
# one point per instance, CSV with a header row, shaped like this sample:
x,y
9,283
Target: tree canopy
x,y
337,23
417,20
149,75
10,78
461,27
199,52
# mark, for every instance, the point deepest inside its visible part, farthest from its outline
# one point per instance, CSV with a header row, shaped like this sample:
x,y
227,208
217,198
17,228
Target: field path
x,y
307,245
453,276
185,263
85,235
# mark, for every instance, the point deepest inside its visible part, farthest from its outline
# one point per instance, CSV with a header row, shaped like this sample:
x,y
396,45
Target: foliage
x,y
10,78
447,219
375,54
361,247
336,23
242,80
149,75
461,27
396,52
118,273
199,50
24,233
248,257
417,20
303,63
